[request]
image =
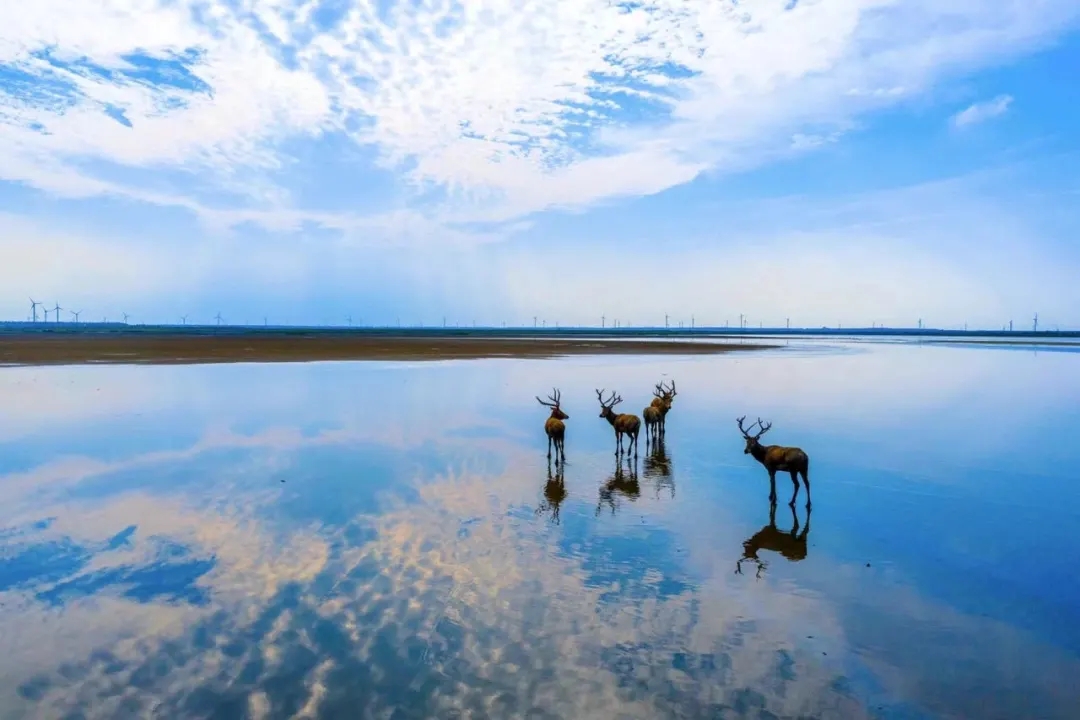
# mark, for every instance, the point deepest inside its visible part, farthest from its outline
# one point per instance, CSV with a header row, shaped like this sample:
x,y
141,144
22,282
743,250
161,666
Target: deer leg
x,y
795,482
549,446
806,482
772,486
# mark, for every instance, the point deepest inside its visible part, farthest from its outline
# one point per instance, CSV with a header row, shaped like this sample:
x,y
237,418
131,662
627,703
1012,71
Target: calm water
x,y
382,540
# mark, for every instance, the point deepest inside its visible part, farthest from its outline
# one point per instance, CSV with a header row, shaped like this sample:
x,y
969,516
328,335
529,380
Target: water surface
x,y
388,540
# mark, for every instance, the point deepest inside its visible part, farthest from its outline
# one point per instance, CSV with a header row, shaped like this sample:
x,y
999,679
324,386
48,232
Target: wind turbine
x,y
183,319
126,316
57,310
76,314
349,320
219,318
33,308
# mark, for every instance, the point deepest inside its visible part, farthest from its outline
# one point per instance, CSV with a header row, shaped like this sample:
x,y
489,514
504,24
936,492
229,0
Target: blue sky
x,y
837,161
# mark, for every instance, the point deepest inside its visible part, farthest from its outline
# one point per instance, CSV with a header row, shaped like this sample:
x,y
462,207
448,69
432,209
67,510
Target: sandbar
x,y
39,348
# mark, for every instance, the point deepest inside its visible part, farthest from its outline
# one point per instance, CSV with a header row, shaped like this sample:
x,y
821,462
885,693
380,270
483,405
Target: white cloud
x,y
982,111
510,106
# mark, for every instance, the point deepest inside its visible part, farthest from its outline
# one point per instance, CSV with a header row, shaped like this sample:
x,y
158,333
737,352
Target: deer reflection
x,y
554,492
658,467
791,544
620,483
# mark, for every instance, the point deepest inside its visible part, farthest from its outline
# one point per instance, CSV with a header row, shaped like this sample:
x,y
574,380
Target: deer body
x,y
789,544
651,415
624,423
778,458
554,426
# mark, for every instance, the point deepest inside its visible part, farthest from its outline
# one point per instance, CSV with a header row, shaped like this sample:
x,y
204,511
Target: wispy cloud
x,y
982,111
480,110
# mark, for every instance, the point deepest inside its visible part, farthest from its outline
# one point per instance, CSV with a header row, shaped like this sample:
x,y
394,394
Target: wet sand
x,y
161,348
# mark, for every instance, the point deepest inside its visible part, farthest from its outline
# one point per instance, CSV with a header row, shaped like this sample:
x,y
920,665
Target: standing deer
x,y
624,423
790,544
656,414
554,426
776,457
651,416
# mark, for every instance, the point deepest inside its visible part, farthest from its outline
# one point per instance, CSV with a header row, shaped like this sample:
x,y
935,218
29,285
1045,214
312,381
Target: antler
x,y
659,391
746,431
611,402
673,393
554,397
761,565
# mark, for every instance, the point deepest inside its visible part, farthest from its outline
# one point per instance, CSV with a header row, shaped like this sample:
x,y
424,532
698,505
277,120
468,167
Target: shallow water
x,y
374,540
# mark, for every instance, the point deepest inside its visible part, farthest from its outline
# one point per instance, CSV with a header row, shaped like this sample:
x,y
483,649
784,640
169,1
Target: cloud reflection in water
x,y
396,568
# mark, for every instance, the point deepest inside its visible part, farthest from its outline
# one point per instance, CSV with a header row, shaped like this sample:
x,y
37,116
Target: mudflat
x,y
186,348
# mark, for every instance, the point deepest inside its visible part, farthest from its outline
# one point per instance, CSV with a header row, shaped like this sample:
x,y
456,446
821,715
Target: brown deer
x,y
554,426
620,483
653,413
624,423
663,403
790,544
776,457
554,492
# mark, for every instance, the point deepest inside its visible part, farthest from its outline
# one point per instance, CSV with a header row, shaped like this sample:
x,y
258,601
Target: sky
x,y
823,162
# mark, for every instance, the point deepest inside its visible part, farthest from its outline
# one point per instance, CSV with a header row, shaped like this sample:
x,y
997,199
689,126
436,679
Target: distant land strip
x,y
71,348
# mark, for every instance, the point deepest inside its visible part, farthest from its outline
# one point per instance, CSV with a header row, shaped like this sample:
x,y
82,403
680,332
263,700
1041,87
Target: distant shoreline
x,y
142,347
10,329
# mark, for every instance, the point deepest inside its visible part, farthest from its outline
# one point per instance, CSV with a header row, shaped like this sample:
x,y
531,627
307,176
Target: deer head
x,y
752,440
663,396
669,393
555,397
660,398
606,406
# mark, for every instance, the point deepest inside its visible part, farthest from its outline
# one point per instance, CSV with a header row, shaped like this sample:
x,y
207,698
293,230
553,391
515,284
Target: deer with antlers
x,y
790,544
776,457
554,425
624,423
656,414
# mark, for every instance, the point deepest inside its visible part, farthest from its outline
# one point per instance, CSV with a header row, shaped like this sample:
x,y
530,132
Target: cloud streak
x,y
980,112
